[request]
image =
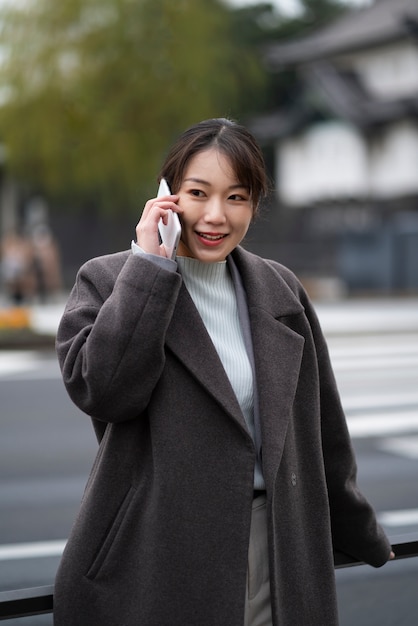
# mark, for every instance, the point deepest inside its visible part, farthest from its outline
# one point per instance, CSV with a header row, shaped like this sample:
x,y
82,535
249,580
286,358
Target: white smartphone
x,y
170,232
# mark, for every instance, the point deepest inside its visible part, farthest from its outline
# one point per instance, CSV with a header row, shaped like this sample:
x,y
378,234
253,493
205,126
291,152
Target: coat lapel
x,y
277,352
197,352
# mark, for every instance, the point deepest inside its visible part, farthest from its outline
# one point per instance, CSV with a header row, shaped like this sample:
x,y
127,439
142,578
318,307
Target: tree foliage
x,y
94,91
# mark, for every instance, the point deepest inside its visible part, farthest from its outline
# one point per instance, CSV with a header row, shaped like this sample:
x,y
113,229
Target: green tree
x,y
94,91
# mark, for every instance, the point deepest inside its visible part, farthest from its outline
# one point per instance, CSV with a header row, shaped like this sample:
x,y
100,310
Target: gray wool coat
x,y
161,538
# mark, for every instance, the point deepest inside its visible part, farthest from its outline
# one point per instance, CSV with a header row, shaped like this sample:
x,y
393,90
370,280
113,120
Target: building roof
x,y
269,127
346,97
384,21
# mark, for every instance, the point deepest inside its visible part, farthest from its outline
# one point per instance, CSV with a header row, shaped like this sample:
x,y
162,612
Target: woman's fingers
x,y
147,227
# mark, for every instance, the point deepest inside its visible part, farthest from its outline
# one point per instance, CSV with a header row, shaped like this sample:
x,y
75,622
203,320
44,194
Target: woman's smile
x,y
211,239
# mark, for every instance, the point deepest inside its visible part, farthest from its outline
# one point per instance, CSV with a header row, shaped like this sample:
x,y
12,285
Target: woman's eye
x,y
197,193
237,197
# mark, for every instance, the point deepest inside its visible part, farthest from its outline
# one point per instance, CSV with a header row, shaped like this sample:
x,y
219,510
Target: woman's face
x,y
217,208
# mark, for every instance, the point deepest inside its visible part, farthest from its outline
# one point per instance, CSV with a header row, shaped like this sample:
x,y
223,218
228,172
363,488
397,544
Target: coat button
x,y
293,479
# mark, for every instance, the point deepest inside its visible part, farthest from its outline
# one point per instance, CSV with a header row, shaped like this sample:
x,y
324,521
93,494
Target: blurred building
x,y
346,153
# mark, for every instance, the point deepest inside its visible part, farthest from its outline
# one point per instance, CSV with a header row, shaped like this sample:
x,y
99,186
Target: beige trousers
x,y
257,599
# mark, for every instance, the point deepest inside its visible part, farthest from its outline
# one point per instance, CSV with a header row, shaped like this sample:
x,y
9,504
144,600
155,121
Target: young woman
x,y
225,477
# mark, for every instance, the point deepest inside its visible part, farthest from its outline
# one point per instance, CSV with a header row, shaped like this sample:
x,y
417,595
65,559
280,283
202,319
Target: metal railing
x,y
39,600
404,547
26,602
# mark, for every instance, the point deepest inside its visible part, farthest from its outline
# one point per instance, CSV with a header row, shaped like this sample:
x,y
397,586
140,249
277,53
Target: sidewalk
x,y
342,317
45,317
389,315
30,326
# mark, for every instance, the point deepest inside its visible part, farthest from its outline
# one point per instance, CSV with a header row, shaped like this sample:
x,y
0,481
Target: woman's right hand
x,y
147,228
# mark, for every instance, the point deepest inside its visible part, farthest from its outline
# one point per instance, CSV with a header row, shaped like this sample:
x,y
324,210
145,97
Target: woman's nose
x,y
215,212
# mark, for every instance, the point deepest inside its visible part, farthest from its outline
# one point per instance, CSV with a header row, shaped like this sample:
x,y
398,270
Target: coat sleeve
x,y
110,341
354,526
355,530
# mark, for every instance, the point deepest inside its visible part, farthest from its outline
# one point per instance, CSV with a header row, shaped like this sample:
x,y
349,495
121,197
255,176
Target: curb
x,y
26,339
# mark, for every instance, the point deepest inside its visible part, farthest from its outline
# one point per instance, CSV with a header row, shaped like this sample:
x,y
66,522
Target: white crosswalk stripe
x,y
27,365
32,550
377,376
403,446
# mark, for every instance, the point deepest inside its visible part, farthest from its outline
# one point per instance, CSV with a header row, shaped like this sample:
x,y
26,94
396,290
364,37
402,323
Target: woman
x,y
225,475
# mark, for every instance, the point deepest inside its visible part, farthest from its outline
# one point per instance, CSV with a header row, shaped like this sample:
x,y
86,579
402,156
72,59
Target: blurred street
x,y
47,447
329,89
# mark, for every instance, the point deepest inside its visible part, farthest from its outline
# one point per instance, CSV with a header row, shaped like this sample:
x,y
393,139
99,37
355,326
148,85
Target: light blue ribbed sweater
x,y
212,291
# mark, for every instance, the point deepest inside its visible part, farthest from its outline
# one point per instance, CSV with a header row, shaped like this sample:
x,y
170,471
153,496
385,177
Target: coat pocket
x,y
110,539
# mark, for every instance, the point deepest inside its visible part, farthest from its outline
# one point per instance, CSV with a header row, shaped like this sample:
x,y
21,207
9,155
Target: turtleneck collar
x,y
193,268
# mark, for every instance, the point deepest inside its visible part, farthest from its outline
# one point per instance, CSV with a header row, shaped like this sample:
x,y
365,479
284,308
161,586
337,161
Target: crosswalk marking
x,y
31,550
12,361
408,517
377,376
402,446
373,344
385,399
27,365
375,361
55,548
382,424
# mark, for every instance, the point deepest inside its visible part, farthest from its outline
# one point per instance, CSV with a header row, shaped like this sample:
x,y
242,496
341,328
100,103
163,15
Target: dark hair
x,y
232,140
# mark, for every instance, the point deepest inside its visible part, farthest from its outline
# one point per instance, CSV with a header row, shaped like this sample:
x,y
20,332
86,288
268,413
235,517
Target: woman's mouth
x,y
211,239
211,236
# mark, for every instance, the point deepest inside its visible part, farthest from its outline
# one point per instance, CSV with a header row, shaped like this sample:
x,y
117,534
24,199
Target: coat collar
x,y
265,287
